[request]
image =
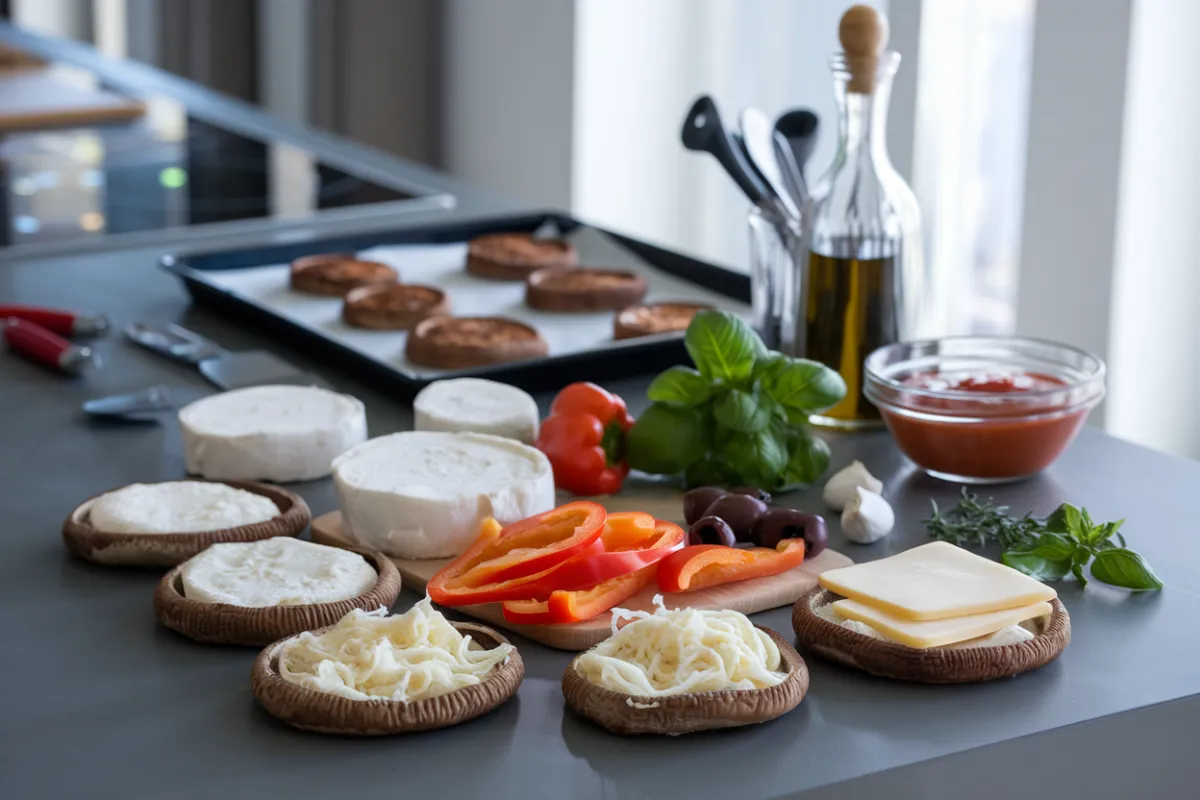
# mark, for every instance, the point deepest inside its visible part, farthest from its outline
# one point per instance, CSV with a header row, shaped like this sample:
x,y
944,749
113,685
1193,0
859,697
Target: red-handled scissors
x,y
37,333
64,323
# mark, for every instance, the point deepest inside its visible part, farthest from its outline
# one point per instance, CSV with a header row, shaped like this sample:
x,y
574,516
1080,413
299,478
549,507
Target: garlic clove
x,y
840,489
867,517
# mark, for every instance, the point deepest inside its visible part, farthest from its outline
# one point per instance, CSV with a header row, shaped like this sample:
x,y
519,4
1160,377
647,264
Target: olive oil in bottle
x,y
862,271
850,312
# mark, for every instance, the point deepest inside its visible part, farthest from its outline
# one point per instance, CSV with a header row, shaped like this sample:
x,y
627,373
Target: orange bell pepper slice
x,y
704,565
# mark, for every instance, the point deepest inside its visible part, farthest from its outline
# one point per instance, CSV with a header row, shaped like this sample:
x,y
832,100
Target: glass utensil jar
x,y
863,272
774,243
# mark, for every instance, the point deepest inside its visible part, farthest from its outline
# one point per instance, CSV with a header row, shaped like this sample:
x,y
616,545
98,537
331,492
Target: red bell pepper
x,y
565,607
584,438
704,565
575,602
622,555
498,561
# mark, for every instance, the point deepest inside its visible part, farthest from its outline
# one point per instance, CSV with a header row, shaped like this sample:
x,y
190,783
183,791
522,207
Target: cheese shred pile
x,y
368,655
681,652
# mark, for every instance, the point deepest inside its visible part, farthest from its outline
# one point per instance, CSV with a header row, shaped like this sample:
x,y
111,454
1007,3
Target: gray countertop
x,y
99,697
99,701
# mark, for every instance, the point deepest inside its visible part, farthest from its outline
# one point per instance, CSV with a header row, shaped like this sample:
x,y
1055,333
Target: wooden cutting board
x,y
748,597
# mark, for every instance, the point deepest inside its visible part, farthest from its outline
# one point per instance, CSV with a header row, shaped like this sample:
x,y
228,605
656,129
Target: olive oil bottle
x,y
849,314
862,273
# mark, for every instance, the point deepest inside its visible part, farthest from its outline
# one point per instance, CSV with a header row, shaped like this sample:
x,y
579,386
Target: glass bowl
x,y
982,409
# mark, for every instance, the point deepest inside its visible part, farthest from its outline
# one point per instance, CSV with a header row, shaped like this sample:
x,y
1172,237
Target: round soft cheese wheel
x,y
423,494
473,405
275,572
270,433
178,507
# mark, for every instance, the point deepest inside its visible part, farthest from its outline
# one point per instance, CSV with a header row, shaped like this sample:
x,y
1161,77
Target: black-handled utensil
x,y
799,127
703,131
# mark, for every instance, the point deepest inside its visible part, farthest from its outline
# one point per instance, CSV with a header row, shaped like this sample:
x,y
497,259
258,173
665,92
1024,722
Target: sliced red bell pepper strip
x,y
704,565
584,439
564,607
533,544
500,560
622,555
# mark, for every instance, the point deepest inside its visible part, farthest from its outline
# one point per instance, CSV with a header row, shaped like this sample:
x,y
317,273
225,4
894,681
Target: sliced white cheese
x,y
473,405
421,494
178,507
1013,634
275,572
936,581
922,634
272,433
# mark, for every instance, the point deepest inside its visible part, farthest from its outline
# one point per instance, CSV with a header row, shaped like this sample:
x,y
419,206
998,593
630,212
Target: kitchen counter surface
x,y
100,701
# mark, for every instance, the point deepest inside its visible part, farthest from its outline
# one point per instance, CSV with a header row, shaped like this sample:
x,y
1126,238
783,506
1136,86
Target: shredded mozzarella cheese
x,y
682,651
368,655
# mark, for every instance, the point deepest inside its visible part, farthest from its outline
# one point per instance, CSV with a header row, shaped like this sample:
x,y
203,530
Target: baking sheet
x,y
442,265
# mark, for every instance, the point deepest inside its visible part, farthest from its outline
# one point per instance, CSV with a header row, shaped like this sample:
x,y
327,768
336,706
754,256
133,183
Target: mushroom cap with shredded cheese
x,y
681,651
369,655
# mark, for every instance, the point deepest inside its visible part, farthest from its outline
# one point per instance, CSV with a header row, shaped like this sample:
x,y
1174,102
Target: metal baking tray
x,y
251,286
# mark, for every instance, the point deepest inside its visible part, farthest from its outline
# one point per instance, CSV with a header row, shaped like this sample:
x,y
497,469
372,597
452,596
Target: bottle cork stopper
x,y
863,33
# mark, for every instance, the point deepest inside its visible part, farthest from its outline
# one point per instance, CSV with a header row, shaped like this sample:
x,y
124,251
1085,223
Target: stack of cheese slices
x,y
937,595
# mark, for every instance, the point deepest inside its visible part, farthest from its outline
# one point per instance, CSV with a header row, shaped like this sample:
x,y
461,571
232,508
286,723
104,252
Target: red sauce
x,y
1006,425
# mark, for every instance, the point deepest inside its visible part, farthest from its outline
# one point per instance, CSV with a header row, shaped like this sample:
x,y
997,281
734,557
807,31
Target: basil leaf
x,y
666,440
808,460
804,386
1054,547
740,411
770,364
680,386
1066,519
756,459
723,346
1108,530
1124,568
1120,537
1077,571
1035,566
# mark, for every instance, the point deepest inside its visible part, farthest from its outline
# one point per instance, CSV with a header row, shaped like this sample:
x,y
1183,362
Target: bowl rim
x,y
873,376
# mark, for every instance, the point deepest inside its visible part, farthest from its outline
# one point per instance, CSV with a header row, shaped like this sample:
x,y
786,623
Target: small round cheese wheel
x,y
178,507
270,433
473,405
423,494
275,572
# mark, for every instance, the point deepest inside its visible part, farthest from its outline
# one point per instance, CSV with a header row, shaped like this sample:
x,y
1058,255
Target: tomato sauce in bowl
x,y
983,409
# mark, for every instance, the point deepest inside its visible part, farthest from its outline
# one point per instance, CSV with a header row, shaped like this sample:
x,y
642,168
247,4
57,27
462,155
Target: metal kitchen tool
x,y
148,405
793,175
223,368
758,135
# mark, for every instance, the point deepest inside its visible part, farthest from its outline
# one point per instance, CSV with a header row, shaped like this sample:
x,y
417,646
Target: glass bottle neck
x,y
862,121
862,117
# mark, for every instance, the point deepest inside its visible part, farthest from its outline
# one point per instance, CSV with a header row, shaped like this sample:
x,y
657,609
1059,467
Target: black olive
x,y
753,491
740,511
697,501
781,523
711,530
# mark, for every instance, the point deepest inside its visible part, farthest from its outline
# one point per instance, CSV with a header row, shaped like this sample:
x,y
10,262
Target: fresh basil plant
x,y
739,417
